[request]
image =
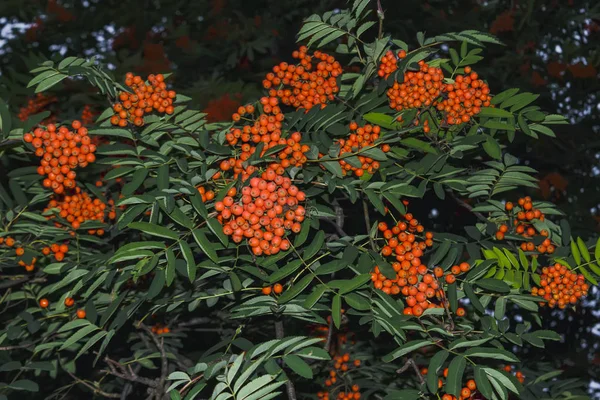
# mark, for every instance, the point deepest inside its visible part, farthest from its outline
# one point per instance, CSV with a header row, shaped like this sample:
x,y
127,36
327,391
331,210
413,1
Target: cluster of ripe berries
x,y
560,286
361,137
267,209
146,97
419,89
462,99
341,365
61,151
412,278
266,129
276,288
78,208
160,329
36,105
70,302
87,115
466,392
206,195
28,267
518,374
311,82
59,250
524,216
465,97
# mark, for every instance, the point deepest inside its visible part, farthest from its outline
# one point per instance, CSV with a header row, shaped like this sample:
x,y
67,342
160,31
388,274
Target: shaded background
x,y
219,50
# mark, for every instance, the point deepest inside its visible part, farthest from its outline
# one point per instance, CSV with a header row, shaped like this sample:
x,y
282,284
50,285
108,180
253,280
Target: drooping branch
x,y
411,363
96,390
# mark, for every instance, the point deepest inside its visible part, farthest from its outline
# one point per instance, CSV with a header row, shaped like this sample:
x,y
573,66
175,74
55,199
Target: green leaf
x,y
314,247
493,285
83,332
483,383
492,148
93,340
336,310
287,270
205,245
583,250
298,365
406,348
295,290
25,384
154,230
456,369
575,252
49,82
137,179
217,229
435,364
314,296
188,256
493,353
473,297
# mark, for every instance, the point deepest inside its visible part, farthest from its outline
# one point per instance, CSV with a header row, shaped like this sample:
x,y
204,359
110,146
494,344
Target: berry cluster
x,y
207,195
402,243
518,374
360,138
59,250
36,105
466,96
389,63
146,97
267,208
419,89
341,365
266,129
8,241
78,208
560,286
311,82
462,99
465,393
160,329
524,216
28,267
87,115
61,151
277,289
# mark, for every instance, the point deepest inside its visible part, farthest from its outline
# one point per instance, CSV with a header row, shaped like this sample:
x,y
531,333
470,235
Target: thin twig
x,y
467,207
21,346
160,345
368,223
289,385
381,17
93,388
15,282
124,374
329,336
411,363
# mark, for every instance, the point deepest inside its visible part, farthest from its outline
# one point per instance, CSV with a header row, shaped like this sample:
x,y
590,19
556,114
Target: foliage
x,y
117,313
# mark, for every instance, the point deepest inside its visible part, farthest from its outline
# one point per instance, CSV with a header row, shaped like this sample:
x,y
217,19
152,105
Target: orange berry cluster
x,y
518,374
560,286
267,208
360,138
341,365
277,289
87,115
59,250
524,215
78,208
466,392
160,329
419,89
311,82
402,243
28,267
466,96
146,97
36,105
389,63
207,195
9,241
266,129
61,151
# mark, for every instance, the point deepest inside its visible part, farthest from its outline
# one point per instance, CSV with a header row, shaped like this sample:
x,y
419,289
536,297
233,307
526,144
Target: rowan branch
x,y
411,363
164,367
329,336
289,385
94,389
